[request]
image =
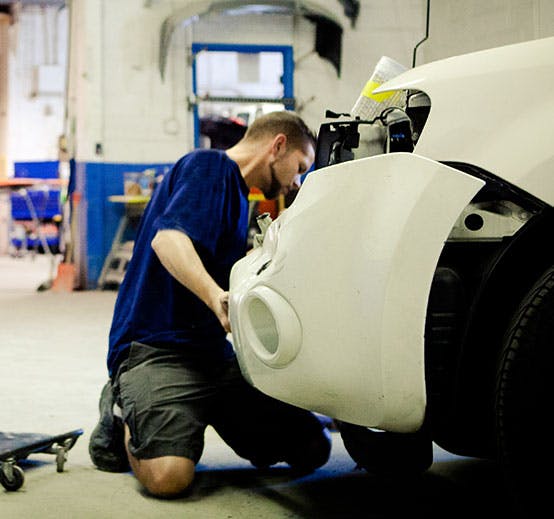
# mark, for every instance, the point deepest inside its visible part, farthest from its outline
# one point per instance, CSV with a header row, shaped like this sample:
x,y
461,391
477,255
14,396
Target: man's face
x,y
286,170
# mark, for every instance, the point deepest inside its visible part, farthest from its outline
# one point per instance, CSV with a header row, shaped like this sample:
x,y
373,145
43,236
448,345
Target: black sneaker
x,y
106,446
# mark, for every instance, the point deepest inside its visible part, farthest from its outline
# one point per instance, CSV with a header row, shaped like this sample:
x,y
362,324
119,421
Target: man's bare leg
x,y
167,476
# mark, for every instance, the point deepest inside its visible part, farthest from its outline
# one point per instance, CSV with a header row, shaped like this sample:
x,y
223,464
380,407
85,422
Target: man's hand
x,y
221,310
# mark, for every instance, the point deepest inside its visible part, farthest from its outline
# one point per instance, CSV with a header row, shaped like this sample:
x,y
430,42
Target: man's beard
x,y
275,188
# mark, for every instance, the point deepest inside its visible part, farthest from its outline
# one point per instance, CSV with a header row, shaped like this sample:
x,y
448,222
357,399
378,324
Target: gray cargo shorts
x,y
168,400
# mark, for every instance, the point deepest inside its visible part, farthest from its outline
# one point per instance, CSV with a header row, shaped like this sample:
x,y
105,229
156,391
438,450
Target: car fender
x,y
490,109
329,313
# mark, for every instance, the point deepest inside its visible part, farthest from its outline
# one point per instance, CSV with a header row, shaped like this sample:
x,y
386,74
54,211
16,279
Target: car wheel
x,y
524,396
386,453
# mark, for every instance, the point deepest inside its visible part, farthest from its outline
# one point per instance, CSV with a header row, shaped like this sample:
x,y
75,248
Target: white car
x,y
410,295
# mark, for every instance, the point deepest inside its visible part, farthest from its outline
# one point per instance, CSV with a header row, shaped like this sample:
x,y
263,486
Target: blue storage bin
x,y
45,202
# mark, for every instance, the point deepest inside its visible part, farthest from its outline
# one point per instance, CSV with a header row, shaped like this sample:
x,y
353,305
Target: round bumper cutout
x,y
270,327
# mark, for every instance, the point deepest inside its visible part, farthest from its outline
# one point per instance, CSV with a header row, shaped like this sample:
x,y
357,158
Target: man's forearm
x,y
177,254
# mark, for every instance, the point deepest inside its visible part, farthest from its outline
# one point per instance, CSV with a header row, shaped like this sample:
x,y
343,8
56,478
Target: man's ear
x,y
279,144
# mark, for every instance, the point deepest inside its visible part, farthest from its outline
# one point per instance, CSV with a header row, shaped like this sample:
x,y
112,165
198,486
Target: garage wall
x,y
122,116
37,64
124,112
133,116
119,102
461,26
388,28
118,105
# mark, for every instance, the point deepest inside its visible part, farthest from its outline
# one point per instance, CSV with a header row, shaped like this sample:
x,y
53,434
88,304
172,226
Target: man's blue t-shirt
x,y
204,196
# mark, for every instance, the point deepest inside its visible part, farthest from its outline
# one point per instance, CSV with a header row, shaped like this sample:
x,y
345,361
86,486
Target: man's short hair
x,y
289,123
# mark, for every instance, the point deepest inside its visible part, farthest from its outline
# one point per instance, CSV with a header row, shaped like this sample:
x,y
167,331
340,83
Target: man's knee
x,y
165,477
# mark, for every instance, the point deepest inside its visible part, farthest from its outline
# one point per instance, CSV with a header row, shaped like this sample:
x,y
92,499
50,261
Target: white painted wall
x,y
37,59
118,101
461,26
120,111
389,28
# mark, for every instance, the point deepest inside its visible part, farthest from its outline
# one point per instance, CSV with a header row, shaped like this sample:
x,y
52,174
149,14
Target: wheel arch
x,y
507,280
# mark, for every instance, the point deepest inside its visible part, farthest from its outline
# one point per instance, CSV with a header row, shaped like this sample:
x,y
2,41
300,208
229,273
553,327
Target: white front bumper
x,y
329,313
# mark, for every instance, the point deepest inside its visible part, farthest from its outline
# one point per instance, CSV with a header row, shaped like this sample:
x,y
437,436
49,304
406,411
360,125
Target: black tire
x,y
524,393
14,481
387,454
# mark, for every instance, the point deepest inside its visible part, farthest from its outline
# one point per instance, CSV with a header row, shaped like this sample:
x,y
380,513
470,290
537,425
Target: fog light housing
x,y
271,327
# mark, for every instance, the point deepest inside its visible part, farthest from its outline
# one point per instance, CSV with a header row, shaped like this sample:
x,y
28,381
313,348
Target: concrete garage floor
x,y
51,371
